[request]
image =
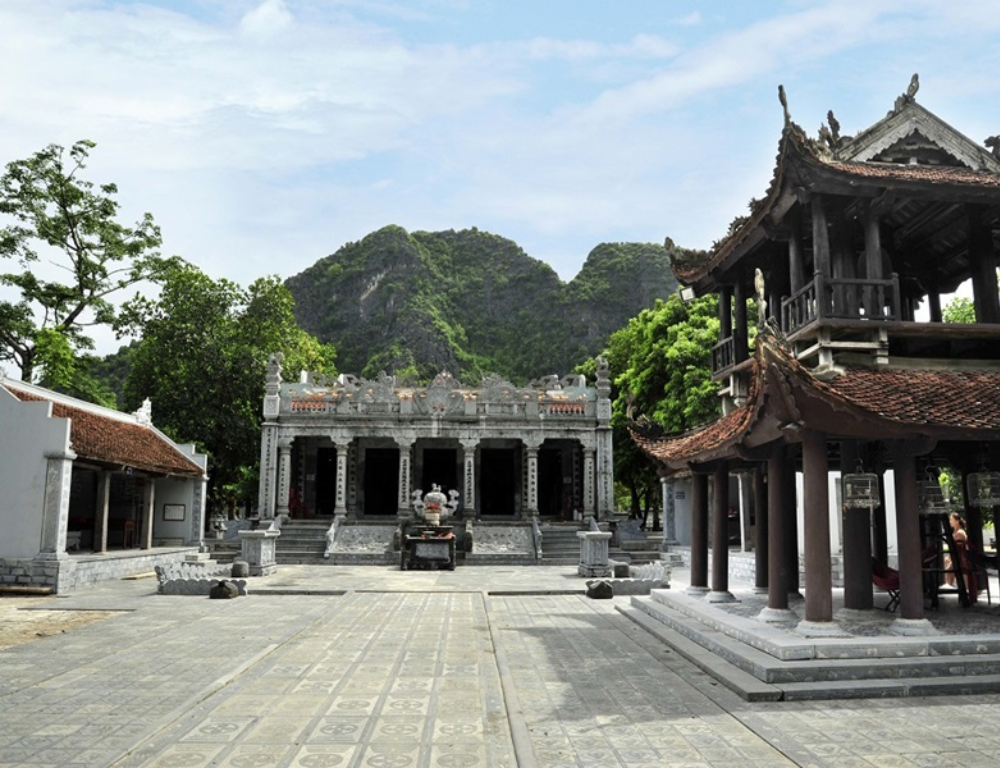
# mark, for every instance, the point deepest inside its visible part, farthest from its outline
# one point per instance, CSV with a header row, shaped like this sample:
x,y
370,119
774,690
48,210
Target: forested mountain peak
x,y
471,302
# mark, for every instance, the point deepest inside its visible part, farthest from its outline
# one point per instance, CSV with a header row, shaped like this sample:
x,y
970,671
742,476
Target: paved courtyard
x,y
356,666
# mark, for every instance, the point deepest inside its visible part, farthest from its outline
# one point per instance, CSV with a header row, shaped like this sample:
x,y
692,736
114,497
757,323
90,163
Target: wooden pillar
x,y
934,306
740,339
873,246
699,534
760,546
983,260
821,238
720,536
790,552
816,505
778,513
796,262
857,541
911,593
725,312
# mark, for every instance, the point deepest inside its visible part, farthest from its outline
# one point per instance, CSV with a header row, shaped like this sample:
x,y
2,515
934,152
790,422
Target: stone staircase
x,y
641,551
302,542
560,545
763,663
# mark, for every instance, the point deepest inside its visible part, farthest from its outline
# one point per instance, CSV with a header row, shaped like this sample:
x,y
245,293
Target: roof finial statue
x,y
758,284
834,126
993,142
914,86
784,103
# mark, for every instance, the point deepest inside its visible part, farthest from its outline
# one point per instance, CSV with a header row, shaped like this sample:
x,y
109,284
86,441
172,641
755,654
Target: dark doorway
x,y
551,499
326,481
381,481
439,469
497,481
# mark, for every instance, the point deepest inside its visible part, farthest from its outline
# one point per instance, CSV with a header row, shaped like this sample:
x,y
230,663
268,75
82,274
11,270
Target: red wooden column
x,y
699,535
857,541
790,541
760,546
816,504
720,536
778,514
911,593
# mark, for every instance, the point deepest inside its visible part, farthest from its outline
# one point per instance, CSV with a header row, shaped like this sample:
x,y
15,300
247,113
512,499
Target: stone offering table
x,y
594,559
258,550
428,546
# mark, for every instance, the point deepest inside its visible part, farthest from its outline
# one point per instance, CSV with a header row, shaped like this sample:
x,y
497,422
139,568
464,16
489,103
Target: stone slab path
x,y
496,669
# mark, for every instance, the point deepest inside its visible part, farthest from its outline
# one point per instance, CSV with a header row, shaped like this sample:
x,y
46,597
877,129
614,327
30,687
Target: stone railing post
x,y
284,475
405,482
469,477
340,504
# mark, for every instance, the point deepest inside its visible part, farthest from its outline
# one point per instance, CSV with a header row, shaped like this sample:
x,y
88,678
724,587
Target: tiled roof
x,y
698,441
113,440
934,174
962,399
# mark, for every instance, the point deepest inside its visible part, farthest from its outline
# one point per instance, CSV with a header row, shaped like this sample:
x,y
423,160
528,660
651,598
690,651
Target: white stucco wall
x,y
28,434
174,492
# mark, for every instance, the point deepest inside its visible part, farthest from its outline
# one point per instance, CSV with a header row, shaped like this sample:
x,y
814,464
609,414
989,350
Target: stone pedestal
x,y
258,550
594,553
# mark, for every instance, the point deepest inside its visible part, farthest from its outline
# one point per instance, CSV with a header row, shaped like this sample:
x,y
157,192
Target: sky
x,y
264,134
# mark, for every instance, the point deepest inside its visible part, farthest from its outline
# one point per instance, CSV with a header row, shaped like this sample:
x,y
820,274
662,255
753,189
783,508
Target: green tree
x,y
48,211
202,361
959,310
661,368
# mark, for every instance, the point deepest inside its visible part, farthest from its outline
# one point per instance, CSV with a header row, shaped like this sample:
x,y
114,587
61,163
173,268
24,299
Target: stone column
x,y
605,474
101,516
340,504
403,510
148,506
720,536
857,542
284,475
532,480
669,511
268,471
778,513
699,535
816,504
469,477
589,481
55,514
198,513
760,547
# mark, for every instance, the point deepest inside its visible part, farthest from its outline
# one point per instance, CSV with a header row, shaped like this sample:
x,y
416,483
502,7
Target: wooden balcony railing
x,y
723,355
827,298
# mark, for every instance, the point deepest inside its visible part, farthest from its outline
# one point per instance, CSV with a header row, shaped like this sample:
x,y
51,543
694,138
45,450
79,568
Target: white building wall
x,y
28,434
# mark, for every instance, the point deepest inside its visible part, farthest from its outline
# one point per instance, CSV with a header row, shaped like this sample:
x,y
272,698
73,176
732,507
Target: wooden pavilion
x,y
854,236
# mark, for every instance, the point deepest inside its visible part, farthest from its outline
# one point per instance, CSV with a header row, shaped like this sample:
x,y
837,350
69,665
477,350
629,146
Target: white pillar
x,y
55,515
469,478
148,506
340,507
669,513
284,475
101,513
405,477
197,534
605,474
268,471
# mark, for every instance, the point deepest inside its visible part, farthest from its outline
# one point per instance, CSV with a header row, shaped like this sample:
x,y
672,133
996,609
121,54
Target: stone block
x,y
600,590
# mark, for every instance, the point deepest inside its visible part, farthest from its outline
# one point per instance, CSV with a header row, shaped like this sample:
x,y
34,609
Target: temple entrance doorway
x,y
381,481
497,481
556,468
439,468
326,480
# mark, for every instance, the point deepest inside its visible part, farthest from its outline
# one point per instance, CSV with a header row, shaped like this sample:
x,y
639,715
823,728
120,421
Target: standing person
x,y
961,556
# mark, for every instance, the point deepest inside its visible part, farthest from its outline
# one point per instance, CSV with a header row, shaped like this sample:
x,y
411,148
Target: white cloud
x,y
267,19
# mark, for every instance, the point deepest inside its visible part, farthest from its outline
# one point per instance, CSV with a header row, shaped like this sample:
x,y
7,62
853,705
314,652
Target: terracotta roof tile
x,y
698,441
933,174
967,399
113,441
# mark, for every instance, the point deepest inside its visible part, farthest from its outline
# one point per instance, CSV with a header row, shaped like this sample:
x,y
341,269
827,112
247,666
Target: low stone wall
x,y
501,545
72,571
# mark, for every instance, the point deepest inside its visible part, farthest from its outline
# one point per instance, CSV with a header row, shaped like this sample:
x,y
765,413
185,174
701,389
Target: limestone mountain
x,y
471,303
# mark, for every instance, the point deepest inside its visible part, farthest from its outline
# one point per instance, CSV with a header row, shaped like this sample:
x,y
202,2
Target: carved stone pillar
x,y
605,475
532,480
198,514
148,505
101,513
268,471
284,475
405,478
469,477
55,516
340,504
589,482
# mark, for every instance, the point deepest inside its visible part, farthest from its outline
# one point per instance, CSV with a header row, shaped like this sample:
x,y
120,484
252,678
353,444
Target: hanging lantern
x,y
860,489
930,496
984,488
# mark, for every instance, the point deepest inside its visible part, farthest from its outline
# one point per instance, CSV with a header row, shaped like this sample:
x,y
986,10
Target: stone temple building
x,y
357,450
854,371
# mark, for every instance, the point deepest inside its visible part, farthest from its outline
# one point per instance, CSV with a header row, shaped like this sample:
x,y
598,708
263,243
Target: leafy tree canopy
x,y
48,212
202,362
